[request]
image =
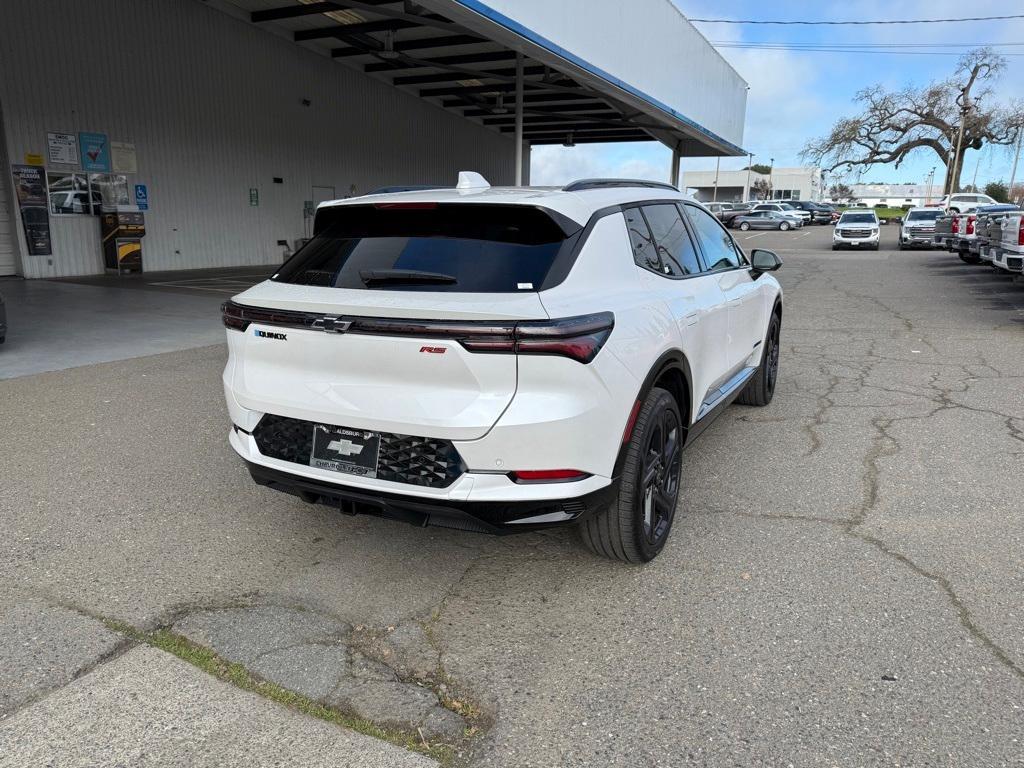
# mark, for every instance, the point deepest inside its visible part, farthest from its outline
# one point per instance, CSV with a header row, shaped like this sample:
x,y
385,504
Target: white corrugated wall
x,y
214,107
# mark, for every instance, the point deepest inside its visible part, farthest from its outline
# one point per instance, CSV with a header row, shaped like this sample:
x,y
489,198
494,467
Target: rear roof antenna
x,y
472,180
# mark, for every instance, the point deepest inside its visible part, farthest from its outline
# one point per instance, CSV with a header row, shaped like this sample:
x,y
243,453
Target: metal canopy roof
x,y
464,59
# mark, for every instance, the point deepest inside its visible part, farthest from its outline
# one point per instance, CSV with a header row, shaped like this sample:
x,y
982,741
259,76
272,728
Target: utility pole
x,y
714,194
964,100
1016,158
974,181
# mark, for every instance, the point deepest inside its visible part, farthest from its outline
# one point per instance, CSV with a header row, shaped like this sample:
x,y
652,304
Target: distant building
x,y
786,184
895,195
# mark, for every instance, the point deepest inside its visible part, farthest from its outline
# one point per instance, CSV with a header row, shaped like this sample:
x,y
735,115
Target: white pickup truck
x,y
1010,255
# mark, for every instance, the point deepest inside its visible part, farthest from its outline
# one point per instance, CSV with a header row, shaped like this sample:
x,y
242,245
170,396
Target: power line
x,y
863,44
857,23
836,49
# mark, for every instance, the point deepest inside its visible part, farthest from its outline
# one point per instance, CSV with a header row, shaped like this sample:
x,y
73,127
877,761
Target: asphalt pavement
x,y
844,584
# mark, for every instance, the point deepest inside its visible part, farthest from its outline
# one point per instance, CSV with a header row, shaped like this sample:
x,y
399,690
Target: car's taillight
x,y
956,225
578,338
238,317
970,224
547,475
1020,232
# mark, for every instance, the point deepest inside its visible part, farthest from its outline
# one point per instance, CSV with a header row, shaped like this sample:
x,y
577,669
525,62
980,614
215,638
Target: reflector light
x,y
547,475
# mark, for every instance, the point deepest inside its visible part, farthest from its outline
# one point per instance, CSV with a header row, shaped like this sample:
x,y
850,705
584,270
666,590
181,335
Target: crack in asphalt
x,y
885,445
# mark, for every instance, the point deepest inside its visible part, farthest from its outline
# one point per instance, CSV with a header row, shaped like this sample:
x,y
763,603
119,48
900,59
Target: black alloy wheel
x,y
761,387
659,483
635,526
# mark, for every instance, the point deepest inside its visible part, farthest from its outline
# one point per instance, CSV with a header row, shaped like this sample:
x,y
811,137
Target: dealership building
x,y
800,183
185,134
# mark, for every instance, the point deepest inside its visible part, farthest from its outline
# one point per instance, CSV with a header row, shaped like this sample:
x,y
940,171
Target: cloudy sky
x,y
795,96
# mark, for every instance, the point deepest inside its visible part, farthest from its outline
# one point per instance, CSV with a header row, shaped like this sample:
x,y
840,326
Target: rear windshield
x,y
924,215
471,248
858,218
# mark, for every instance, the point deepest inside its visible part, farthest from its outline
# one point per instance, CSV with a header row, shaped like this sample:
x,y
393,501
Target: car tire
x,y
875,247
835,247
761,387
744,226
635,526
783,226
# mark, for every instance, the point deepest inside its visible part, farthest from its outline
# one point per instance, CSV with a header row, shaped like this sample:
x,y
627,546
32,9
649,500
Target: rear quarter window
x,y
470,248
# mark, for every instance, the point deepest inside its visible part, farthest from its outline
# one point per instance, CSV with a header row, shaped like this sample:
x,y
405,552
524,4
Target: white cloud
x,y
555,165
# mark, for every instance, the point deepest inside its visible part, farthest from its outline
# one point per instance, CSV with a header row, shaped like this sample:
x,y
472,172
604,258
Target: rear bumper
x,y
495,517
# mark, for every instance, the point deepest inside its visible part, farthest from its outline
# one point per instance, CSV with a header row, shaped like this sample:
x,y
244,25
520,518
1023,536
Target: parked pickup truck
x,y
988,229
1011,247
944,231
965,239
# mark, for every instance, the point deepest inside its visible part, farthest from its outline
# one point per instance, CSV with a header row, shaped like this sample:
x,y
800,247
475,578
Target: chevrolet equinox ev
x,y
502,359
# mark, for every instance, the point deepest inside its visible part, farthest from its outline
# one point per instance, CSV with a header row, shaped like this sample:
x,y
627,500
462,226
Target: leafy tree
x,y
759,168
841,192
762,189
997,191
894,124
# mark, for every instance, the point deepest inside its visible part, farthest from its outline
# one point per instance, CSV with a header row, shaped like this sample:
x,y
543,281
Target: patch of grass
x,y
236,674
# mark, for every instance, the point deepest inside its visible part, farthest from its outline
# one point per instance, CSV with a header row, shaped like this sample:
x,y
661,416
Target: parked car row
x,y
772,214
992,234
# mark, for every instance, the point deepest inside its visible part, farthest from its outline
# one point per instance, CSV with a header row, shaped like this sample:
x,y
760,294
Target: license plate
x,y
352,451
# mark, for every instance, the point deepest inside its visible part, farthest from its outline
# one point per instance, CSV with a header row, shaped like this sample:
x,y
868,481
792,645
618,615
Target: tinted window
x,y
675,248
461,247
645,252
719,250
924,215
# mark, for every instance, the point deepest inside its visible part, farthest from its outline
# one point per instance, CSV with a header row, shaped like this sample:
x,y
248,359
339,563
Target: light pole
x,y
771,185
931,181
750,162
714,195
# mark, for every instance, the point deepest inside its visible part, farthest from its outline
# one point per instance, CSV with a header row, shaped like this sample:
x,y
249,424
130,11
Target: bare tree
x,y
892,125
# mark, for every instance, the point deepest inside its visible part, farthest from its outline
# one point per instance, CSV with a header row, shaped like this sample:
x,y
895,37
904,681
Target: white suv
x,y
964,202
503,359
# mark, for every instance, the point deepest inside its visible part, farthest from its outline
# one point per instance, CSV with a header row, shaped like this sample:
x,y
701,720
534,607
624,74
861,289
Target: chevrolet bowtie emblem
x,y
344,447
332,324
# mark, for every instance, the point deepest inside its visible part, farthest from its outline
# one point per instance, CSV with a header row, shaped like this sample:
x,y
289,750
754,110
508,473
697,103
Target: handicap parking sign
x,y
141,197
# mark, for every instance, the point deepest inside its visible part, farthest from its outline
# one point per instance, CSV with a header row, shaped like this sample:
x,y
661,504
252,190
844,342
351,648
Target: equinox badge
x,y
270,335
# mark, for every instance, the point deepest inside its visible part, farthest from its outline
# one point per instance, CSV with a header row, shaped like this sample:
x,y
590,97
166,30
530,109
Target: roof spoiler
x,y
582,184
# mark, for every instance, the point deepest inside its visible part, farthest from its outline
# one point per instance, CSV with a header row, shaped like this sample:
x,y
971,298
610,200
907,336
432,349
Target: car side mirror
x,y
763,260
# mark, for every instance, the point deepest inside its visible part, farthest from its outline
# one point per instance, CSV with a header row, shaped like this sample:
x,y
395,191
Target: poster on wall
x,y
122,156
62,148
95,152
30,191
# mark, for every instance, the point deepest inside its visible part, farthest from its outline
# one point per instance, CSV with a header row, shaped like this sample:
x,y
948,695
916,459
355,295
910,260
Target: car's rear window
x,y
464,247
924,215
857,218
